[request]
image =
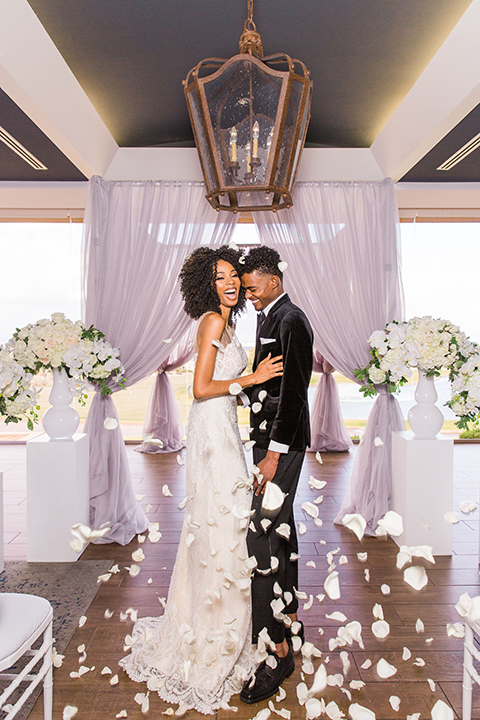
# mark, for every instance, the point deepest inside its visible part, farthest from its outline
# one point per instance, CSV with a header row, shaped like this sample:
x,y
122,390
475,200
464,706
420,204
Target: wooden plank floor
x,y
434,605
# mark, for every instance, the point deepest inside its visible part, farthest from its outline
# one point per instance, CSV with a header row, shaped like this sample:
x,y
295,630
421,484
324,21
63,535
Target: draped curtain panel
x,y
341,243
163,421
329,433
136,237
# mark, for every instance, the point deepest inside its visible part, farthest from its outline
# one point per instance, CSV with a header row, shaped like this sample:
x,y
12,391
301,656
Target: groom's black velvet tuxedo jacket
x,y
285,331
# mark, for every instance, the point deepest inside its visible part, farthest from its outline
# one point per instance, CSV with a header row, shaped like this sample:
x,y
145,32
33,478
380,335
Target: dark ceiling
x,y
468,170
130,57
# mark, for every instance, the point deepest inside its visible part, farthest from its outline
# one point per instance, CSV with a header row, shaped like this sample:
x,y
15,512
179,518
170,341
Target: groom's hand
x,y
268,468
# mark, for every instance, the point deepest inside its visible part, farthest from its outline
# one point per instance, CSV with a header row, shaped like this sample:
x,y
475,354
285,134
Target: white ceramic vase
x,y
425,418
61,420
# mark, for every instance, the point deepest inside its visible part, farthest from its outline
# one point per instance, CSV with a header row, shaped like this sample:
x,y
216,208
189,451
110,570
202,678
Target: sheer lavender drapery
x,y
163,421
136,237
341,243
328,429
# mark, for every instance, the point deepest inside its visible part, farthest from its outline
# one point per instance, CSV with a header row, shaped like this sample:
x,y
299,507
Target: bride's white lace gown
x,y
199,653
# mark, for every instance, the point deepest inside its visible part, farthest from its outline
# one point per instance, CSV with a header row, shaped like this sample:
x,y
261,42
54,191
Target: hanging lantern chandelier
x,y
249,116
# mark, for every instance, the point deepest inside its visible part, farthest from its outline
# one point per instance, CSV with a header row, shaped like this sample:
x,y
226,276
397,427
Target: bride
x,y
199,652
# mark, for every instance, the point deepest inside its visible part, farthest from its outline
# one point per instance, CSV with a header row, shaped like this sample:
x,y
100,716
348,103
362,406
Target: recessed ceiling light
x,y
18,148
457,157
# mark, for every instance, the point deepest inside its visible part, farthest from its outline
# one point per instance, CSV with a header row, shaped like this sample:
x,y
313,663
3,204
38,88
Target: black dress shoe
x,y
289,635
267,679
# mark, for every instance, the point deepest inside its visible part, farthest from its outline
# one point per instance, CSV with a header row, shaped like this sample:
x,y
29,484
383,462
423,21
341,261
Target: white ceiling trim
x,y
317,164
447,90
37,78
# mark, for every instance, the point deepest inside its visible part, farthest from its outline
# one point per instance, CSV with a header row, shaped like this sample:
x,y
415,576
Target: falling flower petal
x,y
263,425
378,442
165,489
310,509
337,616
384,669
308,605
385,589
416,576
235,388
282,266
362,556
76,545
249,444
356,523
256,407
419,662
419,626
366,573
311,563
380,629
415,716
392,523
467,506
367,664
110,423
138,555
69,711
272,501
283,530
121,714
316,484
281,694
167,341
108,614
318,458
57,659
82,621
313,707
358,712
332,586
452,517
357,684
432,684
394,701
378,612
302,528
114,680
455,630
262,395
442,711
406,654
180,461
106,671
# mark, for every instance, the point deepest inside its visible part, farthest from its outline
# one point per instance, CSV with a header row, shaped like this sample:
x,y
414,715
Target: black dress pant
x,y
265,545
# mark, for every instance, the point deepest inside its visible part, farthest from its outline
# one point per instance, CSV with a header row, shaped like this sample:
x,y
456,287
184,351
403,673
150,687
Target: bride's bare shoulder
x,y
212,325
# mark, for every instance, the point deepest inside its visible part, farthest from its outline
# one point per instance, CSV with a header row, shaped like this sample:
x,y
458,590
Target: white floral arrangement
x,y
465,379
430,345
18,398
60,343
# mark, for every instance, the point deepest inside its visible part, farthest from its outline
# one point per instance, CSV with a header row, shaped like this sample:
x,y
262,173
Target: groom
x,y
281,430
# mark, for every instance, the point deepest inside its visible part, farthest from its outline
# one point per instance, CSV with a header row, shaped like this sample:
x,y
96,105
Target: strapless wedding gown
x,y
199,653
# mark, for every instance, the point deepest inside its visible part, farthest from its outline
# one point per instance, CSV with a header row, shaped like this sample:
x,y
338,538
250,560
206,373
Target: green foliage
x,y
471,429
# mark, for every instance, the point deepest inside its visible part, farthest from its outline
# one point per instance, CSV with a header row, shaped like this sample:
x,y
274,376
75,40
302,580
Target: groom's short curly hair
x,y
264,260
197,281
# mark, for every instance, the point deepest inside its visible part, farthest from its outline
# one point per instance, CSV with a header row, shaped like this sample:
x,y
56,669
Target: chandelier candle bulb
x,y
233,145
256,134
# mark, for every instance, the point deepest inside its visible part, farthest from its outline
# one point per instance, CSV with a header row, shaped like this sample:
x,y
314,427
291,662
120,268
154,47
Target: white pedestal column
x,y
58,496
2,556
422,489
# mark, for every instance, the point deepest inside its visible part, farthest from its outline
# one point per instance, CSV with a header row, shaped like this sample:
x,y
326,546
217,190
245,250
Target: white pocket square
x,y
266,341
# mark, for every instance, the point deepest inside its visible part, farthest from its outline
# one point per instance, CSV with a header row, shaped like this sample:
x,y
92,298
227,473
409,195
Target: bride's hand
x,y
268,369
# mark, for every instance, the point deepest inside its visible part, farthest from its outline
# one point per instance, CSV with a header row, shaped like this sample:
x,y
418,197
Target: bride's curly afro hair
x,y
197,281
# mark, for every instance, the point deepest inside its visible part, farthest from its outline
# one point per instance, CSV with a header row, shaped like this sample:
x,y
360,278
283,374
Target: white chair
x,y
470,675
23,618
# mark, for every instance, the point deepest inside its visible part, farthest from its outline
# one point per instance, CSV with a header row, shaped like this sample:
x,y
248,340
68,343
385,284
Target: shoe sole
x,y
268,695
